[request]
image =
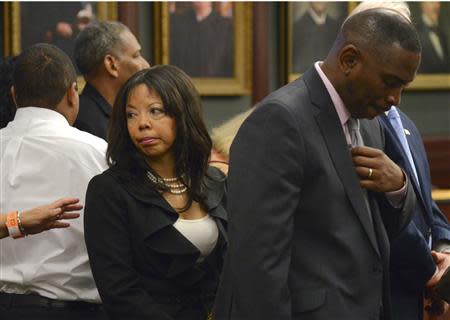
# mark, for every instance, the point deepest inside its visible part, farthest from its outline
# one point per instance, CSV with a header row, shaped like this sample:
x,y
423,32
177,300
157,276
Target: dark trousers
x,y
18,307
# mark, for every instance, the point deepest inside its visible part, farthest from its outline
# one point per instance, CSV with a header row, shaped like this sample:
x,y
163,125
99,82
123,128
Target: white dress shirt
x,y
42,159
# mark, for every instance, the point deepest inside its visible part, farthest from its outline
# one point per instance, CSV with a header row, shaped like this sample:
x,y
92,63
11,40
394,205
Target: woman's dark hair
x,y
192,144
7,105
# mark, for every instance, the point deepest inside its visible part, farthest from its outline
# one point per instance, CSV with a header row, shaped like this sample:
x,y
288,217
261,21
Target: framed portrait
x,y
432,20
2,28
311,28
58,23
210,41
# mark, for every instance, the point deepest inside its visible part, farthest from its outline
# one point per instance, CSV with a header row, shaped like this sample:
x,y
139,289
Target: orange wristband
x,y
13,225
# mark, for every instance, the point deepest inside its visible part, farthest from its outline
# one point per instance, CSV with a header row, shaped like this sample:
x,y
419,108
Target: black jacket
x,y
94,113
143,267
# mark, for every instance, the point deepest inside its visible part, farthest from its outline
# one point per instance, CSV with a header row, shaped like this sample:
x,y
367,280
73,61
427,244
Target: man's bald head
x,y
379,28
375,56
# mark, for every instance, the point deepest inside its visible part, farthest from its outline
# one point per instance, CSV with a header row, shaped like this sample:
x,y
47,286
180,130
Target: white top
x,y
43,159
203,233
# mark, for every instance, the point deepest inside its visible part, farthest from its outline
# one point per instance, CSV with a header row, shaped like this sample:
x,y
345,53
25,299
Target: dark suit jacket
x,y
140,262
411,261
301,245
94,113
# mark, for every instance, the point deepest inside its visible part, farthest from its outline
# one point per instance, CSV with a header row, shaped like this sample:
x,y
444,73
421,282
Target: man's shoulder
x,y
88,105
75,146
86,139
291,96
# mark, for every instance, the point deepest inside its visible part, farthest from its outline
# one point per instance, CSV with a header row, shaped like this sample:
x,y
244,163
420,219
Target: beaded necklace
x,y
173,184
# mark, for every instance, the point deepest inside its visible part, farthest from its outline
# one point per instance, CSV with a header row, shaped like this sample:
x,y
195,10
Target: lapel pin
x,y
407,132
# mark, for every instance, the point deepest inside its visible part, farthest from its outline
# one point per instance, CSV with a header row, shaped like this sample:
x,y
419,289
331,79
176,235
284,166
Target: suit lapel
x,y
331,129
402,157
419,162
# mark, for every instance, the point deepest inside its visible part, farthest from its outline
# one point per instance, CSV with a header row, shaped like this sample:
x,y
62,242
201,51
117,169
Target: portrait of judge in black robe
x,y
201,39
314,32
433,27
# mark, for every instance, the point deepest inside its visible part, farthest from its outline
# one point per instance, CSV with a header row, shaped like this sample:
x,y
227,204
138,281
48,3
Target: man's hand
x,y
442,261
434,305
48,216
376,170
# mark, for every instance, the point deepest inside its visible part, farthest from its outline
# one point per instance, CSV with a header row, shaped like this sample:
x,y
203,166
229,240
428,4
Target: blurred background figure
x,y
222,138
7,105
58,25
314,33
225,8
201,41
435,55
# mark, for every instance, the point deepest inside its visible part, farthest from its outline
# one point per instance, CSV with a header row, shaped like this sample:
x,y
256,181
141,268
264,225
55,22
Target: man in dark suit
x,y
412,265
309,218
107,54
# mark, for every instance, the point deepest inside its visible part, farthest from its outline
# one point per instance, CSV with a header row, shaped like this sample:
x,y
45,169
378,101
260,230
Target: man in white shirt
x,y
43,158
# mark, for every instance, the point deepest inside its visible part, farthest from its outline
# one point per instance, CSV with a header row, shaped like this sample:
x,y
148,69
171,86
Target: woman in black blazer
x,y
155,220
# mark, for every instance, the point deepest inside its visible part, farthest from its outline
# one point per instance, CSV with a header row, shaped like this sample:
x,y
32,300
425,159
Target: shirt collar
x,y
30,113
341,110
318,19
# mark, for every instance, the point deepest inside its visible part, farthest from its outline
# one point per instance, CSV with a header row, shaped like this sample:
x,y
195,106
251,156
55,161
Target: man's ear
x,y
72,95
111,65
348,59
13,95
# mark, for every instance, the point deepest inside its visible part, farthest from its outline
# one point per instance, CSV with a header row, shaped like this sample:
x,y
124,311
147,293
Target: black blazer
x,y
138,258
94,113
301,244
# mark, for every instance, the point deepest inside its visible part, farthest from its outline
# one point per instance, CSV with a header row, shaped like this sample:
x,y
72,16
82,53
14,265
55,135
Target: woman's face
x,y
151,130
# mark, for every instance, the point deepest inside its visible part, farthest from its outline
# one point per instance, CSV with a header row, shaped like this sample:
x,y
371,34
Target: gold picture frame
x,y
239,81
425,80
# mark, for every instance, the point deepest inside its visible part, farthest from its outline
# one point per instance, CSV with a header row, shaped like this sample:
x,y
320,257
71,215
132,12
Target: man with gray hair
x,y
107,54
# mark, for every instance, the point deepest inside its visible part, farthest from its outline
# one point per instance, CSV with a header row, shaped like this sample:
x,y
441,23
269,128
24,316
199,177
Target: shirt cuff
x,y
397,198
443,245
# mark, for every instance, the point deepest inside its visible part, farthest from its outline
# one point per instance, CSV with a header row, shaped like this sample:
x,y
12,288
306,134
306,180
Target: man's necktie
x,y
396,123
357,141
355,134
